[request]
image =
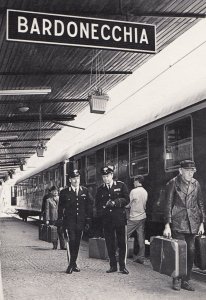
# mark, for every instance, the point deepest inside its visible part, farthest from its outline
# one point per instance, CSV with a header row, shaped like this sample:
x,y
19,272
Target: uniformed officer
x,y
111,199
75,208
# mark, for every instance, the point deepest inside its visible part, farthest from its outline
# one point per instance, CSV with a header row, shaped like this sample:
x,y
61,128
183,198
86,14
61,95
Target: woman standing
x,y
51,212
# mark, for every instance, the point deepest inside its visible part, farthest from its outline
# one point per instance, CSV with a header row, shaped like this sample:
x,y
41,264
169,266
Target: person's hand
x,y
47,222
167,231
201,229
110,203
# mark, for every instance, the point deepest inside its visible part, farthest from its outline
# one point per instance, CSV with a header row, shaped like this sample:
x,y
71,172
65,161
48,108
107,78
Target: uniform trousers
x,y
190,240
112,234
75,235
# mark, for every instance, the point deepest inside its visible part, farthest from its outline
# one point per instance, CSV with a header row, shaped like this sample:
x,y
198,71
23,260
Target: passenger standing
x,y
46,196
51,215
184,215
75,209
111,199
137,216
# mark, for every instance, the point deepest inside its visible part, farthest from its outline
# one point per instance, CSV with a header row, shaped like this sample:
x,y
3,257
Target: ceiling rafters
x,y
35,118
65,73
22,140
35,100
125,13
31,130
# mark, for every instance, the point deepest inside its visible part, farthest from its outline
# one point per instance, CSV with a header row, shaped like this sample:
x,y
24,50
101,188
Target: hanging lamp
x,y
40,148
97,98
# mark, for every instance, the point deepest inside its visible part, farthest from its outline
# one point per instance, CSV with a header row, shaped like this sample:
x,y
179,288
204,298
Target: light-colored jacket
x,y
51,209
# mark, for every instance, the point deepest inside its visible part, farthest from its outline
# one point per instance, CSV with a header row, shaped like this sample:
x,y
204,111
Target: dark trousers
x,y
113,233
190,240
75,235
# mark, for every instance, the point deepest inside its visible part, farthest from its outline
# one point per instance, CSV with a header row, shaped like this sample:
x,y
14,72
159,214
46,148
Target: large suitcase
x,y
52,234
43,232
168,256
200,252
97,248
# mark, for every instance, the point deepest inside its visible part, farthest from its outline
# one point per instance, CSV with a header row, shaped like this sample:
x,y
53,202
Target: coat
x,y
120,195
51,209
75,211
184,205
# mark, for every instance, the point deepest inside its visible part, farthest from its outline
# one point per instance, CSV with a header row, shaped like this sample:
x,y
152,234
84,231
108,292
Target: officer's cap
x,y
187,164
74,173
107,169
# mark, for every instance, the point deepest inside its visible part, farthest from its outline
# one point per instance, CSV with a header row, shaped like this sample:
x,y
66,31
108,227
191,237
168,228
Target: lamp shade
x,y
98,103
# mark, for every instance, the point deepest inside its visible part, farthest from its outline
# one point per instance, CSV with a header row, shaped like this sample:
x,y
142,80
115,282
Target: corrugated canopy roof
x,y
67,70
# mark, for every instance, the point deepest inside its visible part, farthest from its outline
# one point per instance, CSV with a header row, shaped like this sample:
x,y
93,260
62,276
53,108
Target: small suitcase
x,y
200,251
168,256
52,234
43,232
130,247
97,248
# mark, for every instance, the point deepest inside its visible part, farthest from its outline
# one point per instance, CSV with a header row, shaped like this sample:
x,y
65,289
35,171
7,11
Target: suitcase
x,y
52,234
200,251
130,247
43,232
97,248
168,256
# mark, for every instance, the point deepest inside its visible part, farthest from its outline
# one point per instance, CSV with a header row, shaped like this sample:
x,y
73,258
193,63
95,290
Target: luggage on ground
x,y
43,232
48,233
130,247
52,234
168,256
97,248
200,251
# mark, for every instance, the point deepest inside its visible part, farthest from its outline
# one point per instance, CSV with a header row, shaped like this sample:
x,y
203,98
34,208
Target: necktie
x,y
76,191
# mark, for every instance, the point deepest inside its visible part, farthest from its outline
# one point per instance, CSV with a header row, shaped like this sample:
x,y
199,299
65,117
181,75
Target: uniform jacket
x,y
51,209
73,210
120,195
184,205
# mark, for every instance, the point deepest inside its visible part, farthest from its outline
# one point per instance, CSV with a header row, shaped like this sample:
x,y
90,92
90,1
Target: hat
x,y
107,169
139,178
74,173
187,164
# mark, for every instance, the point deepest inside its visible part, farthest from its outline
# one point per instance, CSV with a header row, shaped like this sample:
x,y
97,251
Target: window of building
x,y
139,155
91,168
111,158
178,143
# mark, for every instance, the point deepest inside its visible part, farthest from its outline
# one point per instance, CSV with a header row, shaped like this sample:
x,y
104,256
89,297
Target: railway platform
x,y
31,270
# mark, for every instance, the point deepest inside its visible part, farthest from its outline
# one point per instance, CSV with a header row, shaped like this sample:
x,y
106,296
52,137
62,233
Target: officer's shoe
x,y
112,270
124,271
76,269
187,286
69,270
176,284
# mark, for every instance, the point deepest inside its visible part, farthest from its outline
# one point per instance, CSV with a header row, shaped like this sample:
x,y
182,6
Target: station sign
x,y
24,26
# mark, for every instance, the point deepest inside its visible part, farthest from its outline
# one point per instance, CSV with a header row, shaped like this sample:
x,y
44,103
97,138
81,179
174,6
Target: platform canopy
x,y
45,79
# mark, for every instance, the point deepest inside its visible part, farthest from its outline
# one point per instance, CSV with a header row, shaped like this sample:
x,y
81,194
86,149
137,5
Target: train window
x,y
139,163
91,169
111,158
178,143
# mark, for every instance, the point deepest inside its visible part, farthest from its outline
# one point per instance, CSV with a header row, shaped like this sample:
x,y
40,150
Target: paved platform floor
x,y
31,270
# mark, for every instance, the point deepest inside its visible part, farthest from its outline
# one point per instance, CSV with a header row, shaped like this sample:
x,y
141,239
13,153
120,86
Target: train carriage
x,y
153,150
